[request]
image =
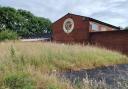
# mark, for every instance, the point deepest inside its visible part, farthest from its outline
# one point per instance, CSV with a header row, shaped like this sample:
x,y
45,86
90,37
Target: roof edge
x,y
59,19
95,20
90,19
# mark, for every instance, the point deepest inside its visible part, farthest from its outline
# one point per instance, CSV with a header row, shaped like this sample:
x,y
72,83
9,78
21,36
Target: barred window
x,y
94,27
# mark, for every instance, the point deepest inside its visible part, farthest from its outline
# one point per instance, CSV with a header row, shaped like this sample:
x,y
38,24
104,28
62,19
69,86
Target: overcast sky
x,y
111,11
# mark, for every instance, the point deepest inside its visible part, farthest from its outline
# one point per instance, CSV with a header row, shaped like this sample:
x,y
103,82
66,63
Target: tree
x,y
23,22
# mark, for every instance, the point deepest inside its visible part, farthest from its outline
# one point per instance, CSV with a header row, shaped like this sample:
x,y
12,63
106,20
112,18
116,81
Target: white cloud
x,y
111,11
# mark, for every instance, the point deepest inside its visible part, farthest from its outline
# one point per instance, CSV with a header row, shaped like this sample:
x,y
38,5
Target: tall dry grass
x,y
39,60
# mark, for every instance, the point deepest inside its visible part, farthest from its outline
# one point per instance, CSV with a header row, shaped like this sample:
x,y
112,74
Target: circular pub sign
x,y
68,25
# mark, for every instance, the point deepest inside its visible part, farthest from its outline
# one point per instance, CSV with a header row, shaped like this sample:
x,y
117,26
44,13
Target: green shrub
x,y
18,81
8,35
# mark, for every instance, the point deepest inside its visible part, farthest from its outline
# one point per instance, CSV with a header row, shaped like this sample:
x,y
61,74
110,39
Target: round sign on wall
x,y
68,25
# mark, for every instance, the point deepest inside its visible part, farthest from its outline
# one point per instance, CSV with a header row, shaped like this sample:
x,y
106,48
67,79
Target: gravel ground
x,y
115,77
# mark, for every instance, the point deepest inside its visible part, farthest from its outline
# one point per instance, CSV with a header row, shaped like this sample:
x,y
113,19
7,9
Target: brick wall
x,y
79,34
116,40
100,27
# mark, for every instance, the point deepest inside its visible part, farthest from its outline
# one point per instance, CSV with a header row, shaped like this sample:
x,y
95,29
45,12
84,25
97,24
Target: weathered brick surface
x,y
100,26
79,34
116,40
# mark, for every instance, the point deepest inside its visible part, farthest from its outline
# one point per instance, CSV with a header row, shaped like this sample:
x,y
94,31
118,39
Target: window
x,y
94,26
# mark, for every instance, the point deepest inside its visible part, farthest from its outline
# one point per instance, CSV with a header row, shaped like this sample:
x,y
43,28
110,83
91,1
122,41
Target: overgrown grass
x,y
8,35
39,60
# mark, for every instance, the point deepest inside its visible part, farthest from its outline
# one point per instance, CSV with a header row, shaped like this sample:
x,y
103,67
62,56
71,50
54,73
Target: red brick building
x,y
80,29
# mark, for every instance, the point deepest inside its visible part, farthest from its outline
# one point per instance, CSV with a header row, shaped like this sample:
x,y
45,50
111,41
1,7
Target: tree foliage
x,y
8,35
23,22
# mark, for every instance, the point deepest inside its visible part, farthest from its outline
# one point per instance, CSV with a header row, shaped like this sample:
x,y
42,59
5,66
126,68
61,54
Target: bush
x,y
8,35
18,81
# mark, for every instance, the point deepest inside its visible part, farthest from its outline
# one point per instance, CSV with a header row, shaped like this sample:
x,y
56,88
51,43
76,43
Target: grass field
x,y
28,65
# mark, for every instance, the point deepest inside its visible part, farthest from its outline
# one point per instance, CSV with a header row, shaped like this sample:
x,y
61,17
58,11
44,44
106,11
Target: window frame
x,y
94,26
